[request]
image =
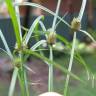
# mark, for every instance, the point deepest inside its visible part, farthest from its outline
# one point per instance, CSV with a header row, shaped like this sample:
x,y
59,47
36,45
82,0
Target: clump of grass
x,y
21,50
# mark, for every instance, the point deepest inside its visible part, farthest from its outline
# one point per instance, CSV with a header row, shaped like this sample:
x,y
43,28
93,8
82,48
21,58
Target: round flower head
x,y
75,24
51,39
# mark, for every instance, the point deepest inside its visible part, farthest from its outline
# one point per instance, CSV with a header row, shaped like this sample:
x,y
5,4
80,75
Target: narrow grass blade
x,y
88,35
4,52
18,18
29,69
32,28
6,45
14,20
38,44
25,29
56,14
42,26
43,8
60,20
13,82
55,64
64,40
77,56
81,60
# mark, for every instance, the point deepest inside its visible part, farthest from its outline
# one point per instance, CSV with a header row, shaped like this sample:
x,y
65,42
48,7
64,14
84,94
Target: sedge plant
x,y
21,50
75,26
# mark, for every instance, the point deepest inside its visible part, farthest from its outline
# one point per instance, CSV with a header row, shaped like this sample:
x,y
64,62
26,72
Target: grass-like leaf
x,y
32,28
38,44
14,20
77,55
51,62
18,18
88,35
43,8
5,44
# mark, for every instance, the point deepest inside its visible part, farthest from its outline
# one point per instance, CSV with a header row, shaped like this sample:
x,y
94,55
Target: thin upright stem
x,y
50,79
56,14
26,84
73,47
22,77
82,9
70,64
13,82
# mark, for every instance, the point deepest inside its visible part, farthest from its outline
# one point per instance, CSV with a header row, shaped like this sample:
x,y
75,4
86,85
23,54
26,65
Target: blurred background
x,y
39,78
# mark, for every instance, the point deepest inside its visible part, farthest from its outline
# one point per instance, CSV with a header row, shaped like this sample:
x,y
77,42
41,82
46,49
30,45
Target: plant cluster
x,y
22,51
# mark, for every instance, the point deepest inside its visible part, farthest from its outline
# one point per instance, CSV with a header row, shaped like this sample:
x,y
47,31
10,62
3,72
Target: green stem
x,y
22,78
18,19
13,82
21,84
50,79
70,65
26,84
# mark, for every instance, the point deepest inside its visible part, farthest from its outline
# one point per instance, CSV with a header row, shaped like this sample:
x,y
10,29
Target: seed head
x,y
51,39
75,24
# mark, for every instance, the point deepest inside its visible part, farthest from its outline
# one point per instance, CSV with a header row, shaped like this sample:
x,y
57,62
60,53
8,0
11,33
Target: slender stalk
x,y
73,47
70,64
26,84
50,79
13,82
21,84
21,75
82,9
56,14
22,78
18,18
